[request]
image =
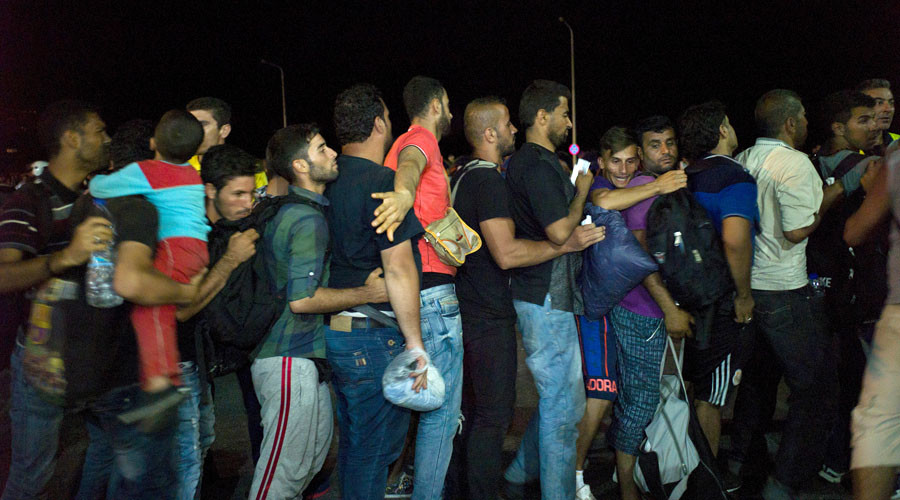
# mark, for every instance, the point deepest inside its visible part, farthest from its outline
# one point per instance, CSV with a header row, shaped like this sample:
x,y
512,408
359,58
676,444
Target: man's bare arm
x,y
738,246
620,199
402,279
559,231
138,281
17,274
509,252
241,246
410,165
831,194
326,300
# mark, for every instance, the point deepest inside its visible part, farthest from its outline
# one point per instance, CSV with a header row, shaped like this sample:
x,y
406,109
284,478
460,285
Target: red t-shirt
x,y
432,193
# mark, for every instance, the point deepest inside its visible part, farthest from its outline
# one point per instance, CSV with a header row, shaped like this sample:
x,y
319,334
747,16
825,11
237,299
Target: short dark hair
x,y
225,162
838,107
541,94
698,128
616,139
418,94
287,145
178,135
355,110
774,108
60,117
475,122
873,83
655,123
131,143
219,109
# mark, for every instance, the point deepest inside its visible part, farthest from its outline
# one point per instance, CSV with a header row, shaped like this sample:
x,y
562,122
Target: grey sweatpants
x,y
297,426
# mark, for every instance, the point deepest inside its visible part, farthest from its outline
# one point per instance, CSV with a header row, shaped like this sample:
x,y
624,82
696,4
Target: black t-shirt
x,y
355,247
481,286
101,348
539,196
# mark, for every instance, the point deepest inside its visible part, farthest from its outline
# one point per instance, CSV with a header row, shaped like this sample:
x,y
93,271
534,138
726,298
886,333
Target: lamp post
x,y
283,101
572,64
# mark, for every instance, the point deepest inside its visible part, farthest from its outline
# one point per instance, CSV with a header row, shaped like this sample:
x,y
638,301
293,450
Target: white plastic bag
x,y
397,382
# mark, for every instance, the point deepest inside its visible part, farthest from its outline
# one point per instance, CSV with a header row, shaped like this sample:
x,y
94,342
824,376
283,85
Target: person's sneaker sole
x,y
158,407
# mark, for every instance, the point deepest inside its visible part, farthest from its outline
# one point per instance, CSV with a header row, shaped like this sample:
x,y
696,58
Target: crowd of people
x,y
355,283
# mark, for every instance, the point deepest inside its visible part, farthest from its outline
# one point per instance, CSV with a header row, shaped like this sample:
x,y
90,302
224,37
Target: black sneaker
x,y
153,409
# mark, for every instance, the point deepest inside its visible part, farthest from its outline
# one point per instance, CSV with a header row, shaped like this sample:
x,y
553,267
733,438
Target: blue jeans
x,y
372,428
34,426
194,433
140,463
548,446
442,336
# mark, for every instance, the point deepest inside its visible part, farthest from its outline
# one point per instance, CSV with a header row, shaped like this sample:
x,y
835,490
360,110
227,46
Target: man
x,y
545,206
37,243
288,369
372,429
485,300
643,317
728,193
880,90
215,116
854,300
659,145
421,183
791,323
228,176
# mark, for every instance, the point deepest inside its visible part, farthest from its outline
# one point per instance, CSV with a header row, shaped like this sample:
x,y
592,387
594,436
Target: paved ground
x,y
230,455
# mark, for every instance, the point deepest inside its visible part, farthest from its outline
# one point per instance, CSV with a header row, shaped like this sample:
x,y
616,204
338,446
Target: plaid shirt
x,y
295,250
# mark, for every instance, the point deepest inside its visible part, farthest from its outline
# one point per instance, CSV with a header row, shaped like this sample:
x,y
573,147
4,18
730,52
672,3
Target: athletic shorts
x,y
598,355
715,371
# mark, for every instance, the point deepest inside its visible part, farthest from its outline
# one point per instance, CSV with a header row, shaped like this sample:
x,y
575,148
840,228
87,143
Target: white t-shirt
x,y
789,193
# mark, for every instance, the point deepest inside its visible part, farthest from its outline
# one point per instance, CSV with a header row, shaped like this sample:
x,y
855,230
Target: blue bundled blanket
x,y
613,266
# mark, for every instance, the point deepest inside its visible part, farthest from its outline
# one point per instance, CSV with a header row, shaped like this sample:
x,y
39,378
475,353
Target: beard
x,y
322,173
444,123
558,138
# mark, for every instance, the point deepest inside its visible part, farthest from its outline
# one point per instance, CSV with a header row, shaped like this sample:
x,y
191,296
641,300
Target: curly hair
x,y
355,110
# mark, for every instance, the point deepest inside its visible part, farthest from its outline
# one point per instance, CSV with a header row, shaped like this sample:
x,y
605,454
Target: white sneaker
x,y
584,493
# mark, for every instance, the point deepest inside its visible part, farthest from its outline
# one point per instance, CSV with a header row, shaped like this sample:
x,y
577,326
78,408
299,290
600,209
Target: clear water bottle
x,y
817,285
101,267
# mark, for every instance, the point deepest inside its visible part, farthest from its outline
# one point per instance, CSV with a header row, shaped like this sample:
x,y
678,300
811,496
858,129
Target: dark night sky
x,y
633,58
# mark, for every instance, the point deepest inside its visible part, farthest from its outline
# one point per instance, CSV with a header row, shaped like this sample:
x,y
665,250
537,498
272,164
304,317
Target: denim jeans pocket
x,y
776,319
351,367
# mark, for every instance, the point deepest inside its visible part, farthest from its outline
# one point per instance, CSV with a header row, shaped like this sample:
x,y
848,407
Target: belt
x,y
340,323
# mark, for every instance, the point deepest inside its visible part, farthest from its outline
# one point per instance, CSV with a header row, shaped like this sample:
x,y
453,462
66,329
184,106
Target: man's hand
x,y
376,286
392,210
241,246
94,234
583,182
421,380
671,181
583,237
743,308
678,323
868,179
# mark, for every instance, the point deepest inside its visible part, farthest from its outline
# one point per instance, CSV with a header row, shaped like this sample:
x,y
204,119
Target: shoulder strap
x,y
472,165
847,165
377,315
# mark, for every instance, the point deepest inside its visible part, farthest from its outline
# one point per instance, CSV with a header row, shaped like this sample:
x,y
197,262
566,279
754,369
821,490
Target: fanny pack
x,y
452,239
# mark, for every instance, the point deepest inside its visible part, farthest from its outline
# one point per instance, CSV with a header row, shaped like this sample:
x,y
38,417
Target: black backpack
x,y
688,249
242,313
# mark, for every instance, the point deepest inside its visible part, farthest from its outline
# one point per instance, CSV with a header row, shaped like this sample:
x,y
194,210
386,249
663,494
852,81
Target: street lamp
x,y
572,63
283,102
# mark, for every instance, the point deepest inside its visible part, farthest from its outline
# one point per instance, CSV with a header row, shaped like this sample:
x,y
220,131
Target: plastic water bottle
x,y
101,267
817,285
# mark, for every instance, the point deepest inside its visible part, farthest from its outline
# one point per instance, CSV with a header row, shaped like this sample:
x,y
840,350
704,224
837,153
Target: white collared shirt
x,y
789,193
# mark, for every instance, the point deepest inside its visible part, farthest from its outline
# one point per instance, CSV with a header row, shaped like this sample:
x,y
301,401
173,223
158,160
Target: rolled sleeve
x,y
799,197
306,263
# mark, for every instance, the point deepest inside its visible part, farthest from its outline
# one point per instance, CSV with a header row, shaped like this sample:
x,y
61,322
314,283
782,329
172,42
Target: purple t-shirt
x,y
638,300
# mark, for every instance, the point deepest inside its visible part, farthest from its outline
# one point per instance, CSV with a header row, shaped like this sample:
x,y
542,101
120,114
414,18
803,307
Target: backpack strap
x,y
377,315
476,163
